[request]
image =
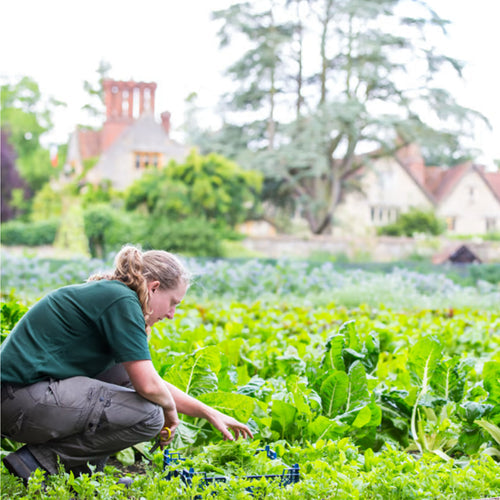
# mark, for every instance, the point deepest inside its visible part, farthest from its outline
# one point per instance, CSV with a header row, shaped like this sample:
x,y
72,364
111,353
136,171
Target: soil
x,y
139,467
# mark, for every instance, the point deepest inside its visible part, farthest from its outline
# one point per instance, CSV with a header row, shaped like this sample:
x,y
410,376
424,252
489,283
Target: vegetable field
x,y
378,386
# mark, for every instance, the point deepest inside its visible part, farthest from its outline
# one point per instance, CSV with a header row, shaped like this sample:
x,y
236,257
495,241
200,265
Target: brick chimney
x,y
165,121
125,102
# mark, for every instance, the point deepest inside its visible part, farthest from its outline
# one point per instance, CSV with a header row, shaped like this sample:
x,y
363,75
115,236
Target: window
x,y
381,215
125,102
451,223
145,160
491,224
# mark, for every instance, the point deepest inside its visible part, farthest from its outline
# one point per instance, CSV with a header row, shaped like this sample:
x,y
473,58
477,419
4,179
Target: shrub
x,y
108,228
415,221
29,233
192,236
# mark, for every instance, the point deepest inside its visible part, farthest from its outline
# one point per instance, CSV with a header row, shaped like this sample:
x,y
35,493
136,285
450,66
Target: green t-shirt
x,y
75,330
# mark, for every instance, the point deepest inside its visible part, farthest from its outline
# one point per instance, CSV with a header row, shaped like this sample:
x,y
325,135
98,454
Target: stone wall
x,y
377,249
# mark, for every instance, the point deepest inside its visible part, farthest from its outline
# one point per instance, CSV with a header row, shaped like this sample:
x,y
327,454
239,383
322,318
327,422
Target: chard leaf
x,y
363,417
332,359
471,410
252,387
283,418
186,434
358,394
334,392
235,405
448,379
492,429
422,361
195,373
491,380
325,428
348,330
305,399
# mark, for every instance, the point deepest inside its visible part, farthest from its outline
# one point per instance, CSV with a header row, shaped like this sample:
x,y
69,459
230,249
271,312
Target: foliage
x,y
296,281
413,222
108,228
27,117
346,393
96,91
192,236
209,187
46,204
11,312
370,401
70,236
34,233
91,194
310,121
13,186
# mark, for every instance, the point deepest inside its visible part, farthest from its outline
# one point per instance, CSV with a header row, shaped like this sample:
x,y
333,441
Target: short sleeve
x,y
122,324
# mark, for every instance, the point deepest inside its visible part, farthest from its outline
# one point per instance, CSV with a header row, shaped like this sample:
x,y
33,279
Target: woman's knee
x,y
153,423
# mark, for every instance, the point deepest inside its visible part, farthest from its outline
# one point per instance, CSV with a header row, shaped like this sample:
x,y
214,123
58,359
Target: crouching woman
x,y
78,383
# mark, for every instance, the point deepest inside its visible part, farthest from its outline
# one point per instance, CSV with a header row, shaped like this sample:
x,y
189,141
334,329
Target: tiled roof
x,y
89,142
493,180
441,185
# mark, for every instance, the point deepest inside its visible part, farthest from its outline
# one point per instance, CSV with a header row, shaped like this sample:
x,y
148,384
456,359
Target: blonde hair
x,y
136,269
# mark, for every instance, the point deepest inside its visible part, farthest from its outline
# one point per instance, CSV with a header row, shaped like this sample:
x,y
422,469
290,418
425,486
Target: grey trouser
x,y
79,420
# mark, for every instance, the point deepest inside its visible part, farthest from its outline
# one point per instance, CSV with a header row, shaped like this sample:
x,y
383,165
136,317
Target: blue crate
x,y
289,475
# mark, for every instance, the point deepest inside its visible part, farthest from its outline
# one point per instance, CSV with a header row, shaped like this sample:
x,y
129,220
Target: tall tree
x,y
96,108
373,81
259,70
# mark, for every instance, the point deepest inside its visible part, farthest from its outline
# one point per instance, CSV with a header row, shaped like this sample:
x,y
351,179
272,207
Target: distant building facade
x,y
129,141
466,196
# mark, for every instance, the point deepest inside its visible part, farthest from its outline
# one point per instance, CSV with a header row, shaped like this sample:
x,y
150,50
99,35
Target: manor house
x,y
129,141
467,196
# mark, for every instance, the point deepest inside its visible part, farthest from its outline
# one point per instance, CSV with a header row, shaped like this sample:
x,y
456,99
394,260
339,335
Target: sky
x,y
59,43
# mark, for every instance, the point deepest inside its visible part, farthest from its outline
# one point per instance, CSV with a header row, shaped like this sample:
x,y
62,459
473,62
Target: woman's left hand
x,y
226,424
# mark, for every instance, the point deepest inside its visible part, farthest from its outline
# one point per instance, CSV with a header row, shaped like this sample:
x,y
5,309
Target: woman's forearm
x,y
228,426
188,405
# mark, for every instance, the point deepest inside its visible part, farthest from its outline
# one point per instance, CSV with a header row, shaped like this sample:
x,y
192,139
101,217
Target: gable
x,y
389,182
120,163
471,193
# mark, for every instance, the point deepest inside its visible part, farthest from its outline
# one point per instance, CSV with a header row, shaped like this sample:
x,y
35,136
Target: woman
x,y
78,383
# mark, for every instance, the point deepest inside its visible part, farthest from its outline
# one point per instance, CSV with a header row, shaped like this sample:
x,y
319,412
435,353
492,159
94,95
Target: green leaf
x,y
236,405
126,456
186,434
196,373
358,394
492,429
422,360
332,359
334,392
283,418
326,428
363,417
449,378
491,380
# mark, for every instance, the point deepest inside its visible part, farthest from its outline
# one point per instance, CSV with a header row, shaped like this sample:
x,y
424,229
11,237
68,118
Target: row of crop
x,y
254,279
353,395
429,382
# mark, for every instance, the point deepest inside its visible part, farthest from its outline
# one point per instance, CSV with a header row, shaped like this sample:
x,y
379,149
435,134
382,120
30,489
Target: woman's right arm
x,y
151,386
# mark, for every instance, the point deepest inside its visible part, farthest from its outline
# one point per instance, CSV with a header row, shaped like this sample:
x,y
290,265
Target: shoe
x,y
22,464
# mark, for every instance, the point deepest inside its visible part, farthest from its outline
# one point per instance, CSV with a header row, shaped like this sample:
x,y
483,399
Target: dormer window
x,y
146,160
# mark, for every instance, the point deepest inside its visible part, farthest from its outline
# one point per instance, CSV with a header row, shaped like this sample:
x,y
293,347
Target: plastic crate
x,y
289,475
